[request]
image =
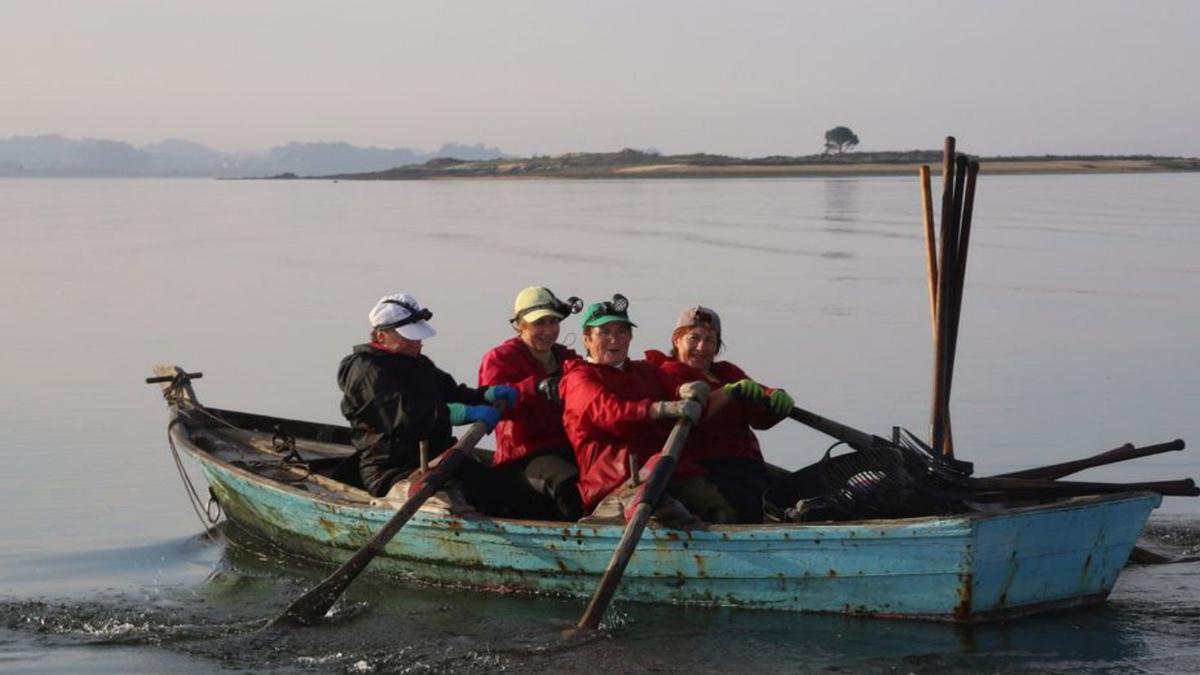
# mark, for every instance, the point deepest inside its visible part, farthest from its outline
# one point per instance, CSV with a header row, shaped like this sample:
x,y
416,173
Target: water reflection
x,y
1074,340
841,203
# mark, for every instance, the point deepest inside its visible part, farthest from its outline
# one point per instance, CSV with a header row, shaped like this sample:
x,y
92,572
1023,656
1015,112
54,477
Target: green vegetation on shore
x,y
630,163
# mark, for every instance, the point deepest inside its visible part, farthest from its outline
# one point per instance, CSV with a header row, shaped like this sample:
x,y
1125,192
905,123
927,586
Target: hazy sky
x,y
738,77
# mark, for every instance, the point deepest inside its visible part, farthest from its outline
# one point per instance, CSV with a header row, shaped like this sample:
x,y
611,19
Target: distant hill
x,y
54,155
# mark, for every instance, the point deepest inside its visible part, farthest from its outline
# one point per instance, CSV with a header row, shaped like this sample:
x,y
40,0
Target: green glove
x,y
745,389
780,402
467,414
458,414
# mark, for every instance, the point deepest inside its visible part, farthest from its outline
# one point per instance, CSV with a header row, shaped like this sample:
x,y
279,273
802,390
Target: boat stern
x,y
1027,561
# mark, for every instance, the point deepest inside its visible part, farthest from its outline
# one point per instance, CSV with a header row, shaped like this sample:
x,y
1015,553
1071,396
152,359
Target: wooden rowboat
x,y
971,567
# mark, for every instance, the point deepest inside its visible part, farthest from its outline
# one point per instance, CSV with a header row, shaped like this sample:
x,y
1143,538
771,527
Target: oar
x,y
310,607
1174,488
1124,453
859,440
650,496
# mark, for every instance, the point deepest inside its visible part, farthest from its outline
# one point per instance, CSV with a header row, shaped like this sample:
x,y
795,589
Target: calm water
x,y
1079,333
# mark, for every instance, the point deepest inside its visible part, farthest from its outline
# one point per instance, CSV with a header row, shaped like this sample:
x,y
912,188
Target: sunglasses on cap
x,y
414,315
573,305
701,316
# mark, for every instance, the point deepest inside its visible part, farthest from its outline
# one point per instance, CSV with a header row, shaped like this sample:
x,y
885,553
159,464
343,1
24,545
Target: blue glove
x,y
467,414
501,392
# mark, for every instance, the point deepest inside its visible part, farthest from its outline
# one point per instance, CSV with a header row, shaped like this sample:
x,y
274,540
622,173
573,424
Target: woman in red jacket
x,y
531,446
616,417
723,443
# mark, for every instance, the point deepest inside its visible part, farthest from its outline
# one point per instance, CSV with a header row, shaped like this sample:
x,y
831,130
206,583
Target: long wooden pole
x,y
1124,453
1175,488
952,302
960,272
946,266
931,261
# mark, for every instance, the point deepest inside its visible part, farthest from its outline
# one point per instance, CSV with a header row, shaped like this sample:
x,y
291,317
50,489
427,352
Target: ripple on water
x,y
386,626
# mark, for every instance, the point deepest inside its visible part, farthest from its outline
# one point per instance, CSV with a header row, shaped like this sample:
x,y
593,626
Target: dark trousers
x,y
742,481
542,487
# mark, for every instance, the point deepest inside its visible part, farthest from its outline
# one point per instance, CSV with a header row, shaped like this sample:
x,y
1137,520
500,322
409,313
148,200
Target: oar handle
x,y
860,440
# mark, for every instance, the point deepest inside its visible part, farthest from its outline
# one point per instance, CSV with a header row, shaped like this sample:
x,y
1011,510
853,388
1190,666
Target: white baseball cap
x,y
405,314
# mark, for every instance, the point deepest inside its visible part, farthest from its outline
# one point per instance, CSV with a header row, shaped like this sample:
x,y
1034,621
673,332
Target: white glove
x,y
689,410
697,391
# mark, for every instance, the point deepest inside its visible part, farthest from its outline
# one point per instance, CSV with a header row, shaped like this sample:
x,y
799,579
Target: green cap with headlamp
x,y
600,313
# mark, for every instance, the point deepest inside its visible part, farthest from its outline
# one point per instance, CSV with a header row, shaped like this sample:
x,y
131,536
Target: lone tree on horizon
x,y
839,139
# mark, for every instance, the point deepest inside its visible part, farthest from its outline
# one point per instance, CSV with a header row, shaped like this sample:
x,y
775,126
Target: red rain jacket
x,y
607,417
725,433
535,425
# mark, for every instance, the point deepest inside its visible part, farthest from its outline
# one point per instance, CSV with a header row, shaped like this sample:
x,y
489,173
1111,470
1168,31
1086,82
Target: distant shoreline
x,y
629,164
876,169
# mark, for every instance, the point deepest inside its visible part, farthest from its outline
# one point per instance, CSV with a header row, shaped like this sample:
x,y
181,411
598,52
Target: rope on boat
x,y
207,520
282,443
286,446
210,514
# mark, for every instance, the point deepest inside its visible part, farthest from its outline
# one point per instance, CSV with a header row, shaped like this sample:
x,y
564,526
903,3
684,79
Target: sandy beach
x,y
890,169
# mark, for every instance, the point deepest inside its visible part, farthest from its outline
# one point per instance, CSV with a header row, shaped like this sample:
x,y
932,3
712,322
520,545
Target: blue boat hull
x,y
964,568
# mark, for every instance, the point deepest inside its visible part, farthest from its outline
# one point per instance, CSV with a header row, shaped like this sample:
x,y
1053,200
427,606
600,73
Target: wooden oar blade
x,y
309,608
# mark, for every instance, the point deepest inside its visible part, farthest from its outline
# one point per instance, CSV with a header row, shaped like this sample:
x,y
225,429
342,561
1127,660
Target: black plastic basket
x,y
887,480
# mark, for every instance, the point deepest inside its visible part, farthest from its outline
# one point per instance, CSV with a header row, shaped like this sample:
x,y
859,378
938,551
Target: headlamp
x,y
573,305
414,315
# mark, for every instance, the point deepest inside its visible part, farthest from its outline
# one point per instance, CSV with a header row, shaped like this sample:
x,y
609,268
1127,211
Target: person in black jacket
x,y
394,397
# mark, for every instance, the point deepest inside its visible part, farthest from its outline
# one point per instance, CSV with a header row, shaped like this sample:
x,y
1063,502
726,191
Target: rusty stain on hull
x,y
965,591
328,526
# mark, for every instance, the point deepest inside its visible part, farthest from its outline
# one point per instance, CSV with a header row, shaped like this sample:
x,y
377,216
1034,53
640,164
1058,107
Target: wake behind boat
x,y
278,479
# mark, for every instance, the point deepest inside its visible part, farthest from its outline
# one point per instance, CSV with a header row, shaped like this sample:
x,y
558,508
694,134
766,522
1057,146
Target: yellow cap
x,y
536,302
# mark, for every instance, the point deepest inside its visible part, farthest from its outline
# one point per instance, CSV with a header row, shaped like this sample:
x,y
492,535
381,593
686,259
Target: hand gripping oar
x,y
648,500
310,607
